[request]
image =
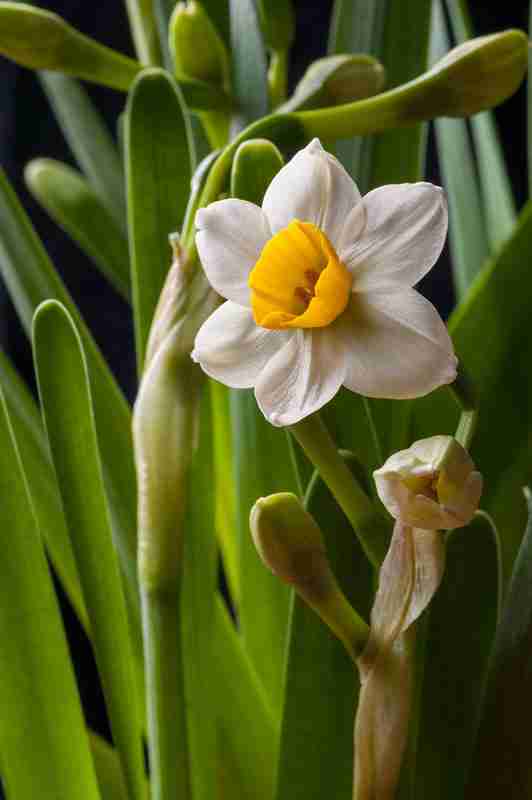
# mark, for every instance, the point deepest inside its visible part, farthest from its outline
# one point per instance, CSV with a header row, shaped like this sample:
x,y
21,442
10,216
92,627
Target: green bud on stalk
x,y
255,165
334,80
277,22
291,545
197,49
472,77
40,39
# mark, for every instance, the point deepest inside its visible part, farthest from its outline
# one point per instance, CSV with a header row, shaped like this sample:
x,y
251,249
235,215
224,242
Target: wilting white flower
x,y
319,292
432,485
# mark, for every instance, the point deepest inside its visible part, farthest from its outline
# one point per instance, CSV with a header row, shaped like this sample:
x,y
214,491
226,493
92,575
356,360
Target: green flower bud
x,y
291,545
335,80
473,77
255,165
477,74
197,49
39,39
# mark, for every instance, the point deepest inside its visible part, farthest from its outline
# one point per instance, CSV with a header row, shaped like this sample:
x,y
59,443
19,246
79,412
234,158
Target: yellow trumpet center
x,y
299,281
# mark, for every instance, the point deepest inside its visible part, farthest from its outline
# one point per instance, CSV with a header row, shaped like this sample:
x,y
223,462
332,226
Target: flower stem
x,y
370,527
466,396
165,689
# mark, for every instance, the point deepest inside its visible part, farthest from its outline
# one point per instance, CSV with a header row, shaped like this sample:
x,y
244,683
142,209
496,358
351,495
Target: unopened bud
x,y
291,545
197,49
335,80
255,165
431,485
477,74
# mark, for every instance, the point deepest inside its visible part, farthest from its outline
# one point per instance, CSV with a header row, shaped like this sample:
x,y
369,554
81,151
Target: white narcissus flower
x,y
432,485
319,291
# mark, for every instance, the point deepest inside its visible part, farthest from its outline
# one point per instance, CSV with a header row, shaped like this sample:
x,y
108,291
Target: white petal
x,y
301,378
404,233
397,345
312,187
230,237
230,347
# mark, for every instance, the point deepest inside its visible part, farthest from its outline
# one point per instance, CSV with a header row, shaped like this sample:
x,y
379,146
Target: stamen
x,y
312,277
303,294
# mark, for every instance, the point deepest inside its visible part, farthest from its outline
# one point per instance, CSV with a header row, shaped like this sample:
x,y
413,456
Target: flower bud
x,y
478,74
334,80
197,49
432,485
291,545
277,21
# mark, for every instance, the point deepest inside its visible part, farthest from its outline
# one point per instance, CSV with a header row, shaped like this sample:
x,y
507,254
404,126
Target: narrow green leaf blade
x,y
159,165
31,440
69,421
467,228
198,591
30,278
357,27
461,627
248,733
264,600
45,749
497,195
490,330
502,759
250,83
225,502
75,206
89,140
321,683
108,769
399,155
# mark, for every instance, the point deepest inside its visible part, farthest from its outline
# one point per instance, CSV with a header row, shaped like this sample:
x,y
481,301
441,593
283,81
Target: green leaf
x,y
248,733
144,32
45,749
198,590
159,166
89,140
321,683
108,769
225,503
218,11
75,206
250,83
31,441
264,601
30,278
69,421
494,319
399,155
467,229
39,39
461,626
501,765
497,195
357,27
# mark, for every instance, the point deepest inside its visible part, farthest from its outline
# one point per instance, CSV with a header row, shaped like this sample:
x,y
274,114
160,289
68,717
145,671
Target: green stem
x,y
466,396
144,31
369,526
166,702
277,77
377,446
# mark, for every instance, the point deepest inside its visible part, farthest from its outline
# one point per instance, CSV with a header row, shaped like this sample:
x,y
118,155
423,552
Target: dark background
x,y
27,130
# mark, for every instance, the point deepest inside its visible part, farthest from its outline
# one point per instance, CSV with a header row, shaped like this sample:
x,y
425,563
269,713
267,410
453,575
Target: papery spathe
x,y
432,485
385,340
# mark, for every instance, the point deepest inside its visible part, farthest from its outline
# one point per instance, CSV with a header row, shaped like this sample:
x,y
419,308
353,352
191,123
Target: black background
x,y
27,130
